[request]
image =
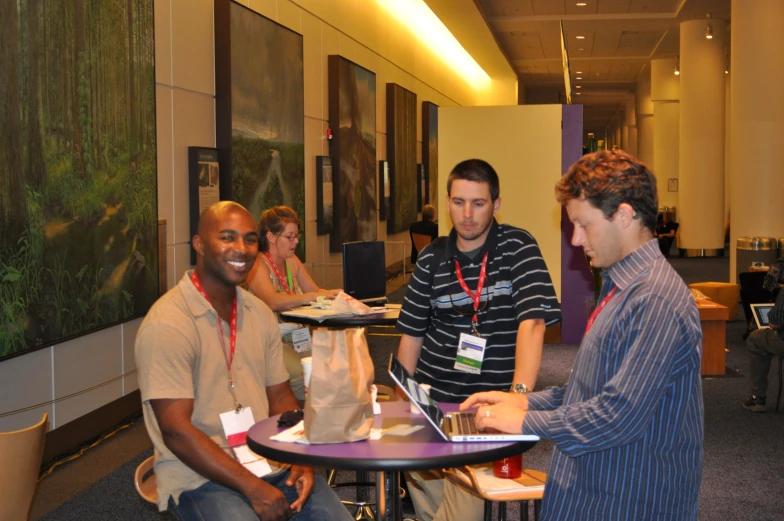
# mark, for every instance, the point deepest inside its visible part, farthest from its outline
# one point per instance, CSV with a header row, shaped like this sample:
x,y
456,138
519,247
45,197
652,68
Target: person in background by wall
x,y
426,226
765,343
628,425
280,280
665,232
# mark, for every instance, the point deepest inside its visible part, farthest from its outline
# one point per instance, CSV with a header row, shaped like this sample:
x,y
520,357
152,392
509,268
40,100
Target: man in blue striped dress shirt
x,y
628,426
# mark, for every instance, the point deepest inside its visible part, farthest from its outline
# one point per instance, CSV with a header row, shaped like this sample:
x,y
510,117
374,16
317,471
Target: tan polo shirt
x,y
179,355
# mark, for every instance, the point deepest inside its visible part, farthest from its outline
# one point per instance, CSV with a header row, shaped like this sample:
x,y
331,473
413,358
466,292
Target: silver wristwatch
x,y
519,389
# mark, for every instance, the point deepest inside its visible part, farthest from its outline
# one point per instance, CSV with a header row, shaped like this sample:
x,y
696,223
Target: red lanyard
x,y
229,357
476,297
599,308
277,272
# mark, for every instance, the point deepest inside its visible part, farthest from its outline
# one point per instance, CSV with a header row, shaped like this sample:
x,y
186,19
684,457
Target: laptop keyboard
x,y
465,423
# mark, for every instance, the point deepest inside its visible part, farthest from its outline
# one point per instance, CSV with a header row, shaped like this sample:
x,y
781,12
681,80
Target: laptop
x,y
761,314
365,272
456,426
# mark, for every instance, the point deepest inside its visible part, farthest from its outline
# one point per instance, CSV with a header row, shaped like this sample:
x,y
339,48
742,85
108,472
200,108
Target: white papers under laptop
x,y
761,314
456,427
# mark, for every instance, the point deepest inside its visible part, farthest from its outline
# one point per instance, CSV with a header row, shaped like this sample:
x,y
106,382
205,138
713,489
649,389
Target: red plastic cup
x,y
508,468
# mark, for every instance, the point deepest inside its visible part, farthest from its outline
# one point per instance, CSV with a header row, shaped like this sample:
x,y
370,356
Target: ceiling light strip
x,y
433,34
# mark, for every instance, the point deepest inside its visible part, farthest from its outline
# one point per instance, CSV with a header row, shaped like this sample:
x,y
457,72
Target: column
x,y
644,117
756,121
666,95
630,124
701,165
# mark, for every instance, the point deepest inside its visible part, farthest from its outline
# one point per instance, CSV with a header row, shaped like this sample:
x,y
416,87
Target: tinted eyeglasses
x,y
291,236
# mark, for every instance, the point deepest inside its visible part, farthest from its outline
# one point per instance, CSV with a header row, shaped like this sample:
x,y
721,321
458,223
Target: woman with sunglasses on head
x,y
280,280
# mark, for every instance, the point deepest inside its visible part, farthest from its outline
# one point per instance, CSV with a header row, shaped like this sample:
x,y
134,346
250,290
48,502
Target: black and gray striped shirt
x,y
518,288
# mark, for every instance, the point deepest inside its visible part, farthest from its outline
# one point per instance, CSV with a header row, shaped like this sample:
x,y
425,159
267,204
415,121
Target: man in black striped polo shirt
x,y
474,315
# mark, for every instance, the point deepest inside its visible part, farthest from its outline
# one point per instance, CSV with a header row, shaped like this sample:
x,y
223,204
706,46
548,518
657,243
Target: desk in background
x,y
713,320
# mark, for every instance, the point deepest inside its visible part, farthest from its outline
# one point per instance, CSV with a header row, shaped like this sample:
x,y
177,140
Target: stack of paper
x,y
493,485
315,313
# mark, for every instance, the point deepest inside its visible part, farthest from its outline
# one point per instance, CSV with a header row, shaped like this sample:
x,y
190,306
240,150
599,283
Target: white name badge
x,y
235,427
252,461
300,339
470,353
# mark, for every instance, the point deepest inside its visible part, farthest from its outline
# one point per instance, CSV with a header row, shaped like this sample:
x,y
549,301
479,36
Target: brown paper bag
x,y
338,405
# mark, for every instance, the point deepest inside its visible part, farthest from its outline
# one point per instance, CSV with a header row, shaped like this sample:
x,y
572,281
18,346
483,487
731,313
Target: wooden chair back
x,y
421,240
20,463
144,479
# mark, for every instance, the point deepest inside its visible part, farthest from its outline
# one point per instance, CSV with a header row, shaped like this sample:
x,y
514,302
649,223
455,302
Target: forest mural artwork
x,y
430,150
78,201
267,115
401,153
352,116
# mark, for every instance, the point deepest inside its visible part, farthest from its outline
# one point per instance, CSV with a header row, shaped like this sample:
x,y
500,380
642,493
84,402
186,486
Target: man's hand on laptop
x,y
498,410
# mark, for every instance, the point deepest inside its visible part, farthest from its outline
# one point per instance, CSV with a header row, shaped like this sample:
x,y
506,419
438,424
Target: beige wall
x,y
185,96
523,144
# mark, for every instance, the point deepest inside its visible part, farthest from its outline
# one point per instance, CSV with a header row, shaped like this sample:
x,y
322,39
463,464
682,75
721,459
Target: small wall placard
x,y
324,195
203,184
383,189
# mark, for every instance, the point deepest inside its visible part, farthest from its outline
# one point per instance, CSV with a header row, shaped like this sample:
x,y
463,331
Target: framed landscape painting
x,y
78,196
260,111
401,153
352,117
430,150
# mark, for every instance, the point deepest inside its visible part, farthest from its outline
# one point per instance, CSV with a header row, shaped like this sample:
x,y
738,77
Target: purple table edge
x,y
388,318
424,449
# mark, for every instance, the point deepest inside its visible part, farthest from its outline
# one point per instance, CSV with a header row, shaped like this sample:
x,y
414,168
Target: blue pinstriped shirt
x,y
628,426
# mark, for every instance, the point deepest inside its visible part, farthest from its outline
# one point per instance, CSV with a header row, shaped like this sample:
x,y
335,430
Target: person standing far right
x,y
628,426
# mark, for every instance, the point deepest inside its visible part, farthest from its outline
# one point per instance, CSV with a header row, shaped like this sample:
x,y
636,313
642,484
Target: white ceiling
x,y
621,38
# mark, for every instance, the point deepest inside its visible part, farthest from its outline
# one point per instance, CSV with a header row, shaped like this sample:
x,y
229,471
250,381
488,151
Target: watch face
x,y
519,388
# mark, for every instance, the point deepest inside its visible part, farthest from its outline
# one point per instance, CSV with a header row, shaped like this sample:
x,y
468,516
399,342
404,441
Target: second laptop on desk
x,y
455,427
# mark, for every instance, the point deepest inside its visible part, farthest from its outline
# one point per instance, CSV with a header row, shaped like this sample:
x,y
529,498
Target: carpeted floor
x,y
743,475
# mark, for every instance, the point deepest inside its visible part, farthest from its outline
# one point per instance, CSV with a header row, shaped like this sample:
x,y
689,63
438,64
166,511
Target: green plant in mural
x,y
78,213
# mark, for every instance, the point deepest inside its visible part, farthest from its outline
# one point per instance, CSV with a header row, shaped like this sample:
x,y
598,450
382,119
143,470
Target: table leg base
x,y
364,513
388,504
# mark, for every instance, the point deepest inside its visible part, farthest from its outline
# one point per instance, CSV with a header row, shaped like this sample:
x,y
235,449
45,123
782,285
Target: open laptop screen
x,y
762,314
414,392
364,269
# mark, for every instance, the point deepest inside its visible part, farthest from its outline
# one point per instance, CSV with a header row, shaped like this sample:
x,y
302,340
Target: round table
x,y
388,318
421,450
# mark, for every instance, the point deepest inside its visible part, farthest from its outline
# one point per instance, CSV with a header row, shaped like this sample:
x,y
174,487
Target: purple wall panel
x,y
576,280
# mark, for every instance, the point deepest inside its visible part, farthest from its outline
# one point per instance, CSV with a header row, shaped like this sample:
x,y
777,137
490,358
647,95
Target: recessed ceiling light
x,y
578,86
580,37
579,77
579,93
579,72
580,49
581,4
